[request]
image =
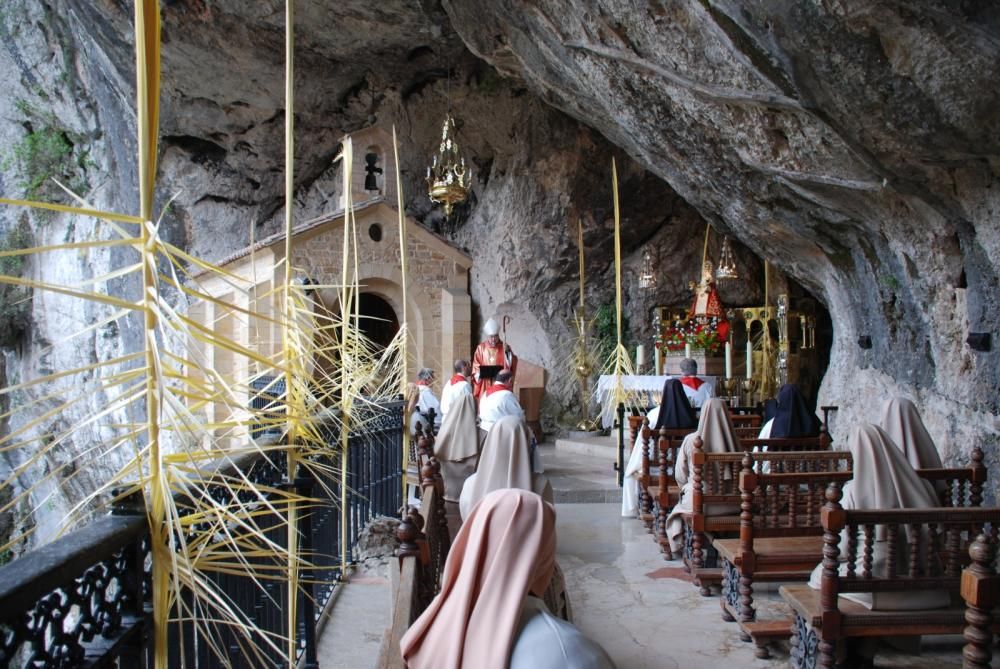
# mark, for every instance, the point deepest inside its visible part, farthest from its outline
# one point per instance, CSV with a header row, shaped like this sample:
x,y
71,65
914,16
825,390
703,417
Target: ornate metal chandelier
x,y
448,179
647,275
726,271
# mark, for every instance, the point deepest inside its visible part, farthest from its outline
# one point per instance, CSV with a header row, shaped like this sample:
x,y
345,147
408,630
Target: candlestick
x,y
749,360
766,280
687,350
657,362
729,360
579,243
640,357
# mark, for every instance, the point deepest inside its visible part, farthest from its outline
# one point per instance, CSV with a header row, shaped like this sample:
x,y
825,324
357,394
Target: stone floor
x,y
646,613
641,608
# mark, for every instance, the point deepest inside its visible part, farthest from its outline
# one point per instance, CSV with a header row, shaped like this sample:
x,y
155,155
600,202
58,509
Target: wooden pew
x,y
716,482
748,420
660,447
781,535
423,551
654,500
935,545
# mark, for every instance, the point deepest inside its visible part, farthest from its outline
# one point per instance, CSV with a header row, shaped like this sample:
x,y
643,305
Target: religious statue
x,y
491,356
707,305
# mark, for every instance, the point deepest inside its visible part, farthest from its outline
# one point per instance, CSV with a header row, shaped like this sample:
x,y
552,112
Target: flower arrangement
x,y
707,334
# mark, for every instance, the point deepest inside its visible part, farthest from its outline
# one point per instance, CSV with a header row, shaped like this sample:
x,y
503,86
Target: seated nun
x,y
718,436
674,412
903,425
489,614
883,479
792,417
457,445
504,462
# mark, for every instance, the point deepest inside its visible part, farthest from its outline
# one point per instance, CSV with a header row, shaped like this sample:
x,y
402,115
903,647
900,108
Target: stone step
x,y
599,447
580,477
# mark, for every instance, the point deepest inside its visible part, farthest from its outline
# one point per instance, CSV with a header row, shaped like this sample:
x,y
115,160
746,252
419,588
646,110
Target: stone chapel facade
x,y
439,307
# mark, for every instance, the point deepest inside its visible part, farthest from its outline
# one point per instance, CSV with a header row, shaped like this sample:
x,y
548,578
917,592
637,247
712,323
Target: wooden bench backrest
x,y
716,475
934,538
751,420
818,443
423,552
788,504
961,486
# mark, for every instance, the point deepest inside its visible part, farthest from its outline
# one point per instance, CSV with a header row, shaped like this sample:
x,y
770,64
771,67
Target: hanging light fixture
x,y
647,275
448,179
726,271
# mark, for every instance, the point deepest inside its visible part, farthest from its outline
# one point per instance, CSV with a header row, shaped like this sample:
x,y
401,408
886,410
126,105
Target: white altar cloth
x,y
642,383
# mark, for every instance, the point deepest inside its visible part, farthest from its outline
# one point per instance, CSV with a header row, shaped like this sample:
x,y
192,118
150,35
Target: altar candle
x,y
749,361
657,362
687,350
640,356
729,360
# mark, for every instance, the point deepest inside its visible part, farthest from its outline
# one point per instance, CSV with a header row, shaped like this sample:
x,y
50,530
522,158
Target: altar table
x,y
640,383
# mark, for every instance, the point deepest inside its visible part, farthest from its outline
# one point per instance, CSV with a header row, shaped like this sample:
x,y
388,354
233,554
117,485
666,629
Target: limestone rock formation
x,y
854,147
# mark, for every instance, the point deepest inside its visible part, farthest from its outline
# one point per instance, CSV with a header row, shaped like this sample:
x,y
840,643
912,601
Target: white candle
x,y
640,356
749,361
657,362
687,350
729,360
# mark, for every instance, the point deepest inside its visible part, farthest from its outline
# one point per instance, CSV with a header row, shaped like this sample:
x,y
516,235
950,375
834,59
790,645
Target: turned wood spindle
x,y
833,521
979,581
645,504
747,484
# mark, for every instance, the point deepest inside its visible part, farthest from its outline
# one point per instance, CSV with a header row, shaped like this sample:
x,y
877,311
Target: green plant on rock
x,y
47,152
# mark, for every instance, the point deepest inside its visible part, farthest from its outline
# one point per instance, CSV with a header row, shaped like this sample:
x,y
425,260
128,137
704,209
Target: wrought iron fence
x,y
84,599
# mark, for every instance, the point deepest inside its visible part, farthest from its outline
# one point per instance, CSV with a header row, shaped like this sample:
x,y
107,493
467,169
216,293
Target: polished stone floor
x,y
646,613
641,608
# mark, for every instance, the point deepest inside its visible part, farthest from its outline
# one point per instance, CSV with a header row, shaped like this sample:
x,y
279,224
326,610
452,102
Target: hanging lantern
x,y
448,179
647,275
726,271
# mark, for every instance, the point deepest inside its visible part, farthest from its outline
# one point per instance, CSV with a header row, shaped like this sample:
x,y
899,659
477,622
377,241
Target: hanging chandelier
x,y
448,179
647,275
726,270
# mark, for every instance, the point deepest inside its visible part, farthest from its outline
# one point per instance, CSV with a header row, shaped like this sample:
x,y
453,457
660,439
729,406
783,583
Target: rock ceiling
x,y
854,145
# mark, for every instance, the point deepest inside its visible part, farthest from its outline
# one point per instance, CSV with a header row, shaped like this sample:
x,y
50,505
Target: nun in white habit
x,y
902,424
718,436
505,462
457,446
883,479
674,412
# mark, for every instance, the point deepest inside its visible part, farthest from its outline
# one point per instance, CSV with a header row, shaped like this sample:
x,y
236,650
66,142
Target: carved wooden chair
x,y
781,535
716,483
656,500
924,552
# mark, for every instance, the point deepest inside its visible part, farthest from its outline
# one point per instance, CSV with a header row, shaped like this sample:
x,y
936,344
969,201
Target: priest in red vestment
x,y
491,353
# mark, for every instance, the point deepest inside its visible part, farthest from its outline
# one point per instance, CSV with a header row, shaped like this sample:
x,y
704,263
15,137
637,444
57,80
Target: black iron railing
x,y
85,599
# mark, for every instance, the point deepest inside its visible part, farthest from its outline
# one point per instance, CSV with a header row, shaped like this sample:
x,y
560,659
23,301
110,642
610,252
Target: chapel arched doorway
x,y
378,322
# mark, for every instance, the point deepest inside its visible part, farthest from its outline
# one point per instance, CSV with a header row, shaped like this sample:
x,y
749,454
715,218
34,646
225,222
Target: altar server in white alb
x,y
459,384
498,401
426,400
